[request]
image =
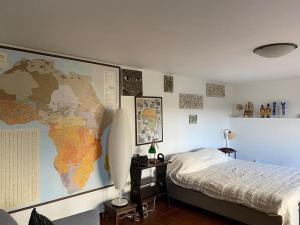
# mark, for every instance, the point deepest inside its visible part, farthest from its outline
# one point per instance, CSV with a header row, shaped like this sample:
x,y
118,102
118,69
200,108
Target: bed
x,y
252,193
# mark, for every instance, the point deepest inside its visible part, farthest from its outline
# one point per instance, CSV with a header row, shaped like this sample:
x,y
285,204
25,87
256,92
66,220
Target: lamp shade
x,y
228,135
275,50
119,149
231,135
152,149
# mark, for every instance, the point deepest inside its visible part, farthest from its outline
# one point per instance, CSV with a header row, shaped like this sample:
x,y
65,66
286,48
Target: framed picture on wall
x,y
131,83
148,120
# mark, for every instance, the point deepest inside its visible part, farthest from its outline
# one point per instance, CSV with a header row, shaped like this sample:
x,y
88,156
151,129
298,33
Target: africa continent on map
x,y
35,90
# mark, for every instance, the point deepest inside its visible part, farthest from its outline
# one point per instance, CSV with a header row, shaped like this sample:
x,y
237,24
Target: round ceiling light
x,y
275,50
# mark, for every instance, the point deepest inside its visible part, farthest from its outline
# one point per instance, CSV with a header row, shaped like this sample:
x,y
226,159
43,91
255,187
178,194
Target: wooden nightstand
x,y
143,189
118,213
228,151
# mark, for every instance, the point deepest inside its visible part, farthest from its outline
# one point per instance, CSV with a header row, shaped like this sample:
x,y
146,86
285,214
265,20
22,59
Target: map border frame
x,y
68,57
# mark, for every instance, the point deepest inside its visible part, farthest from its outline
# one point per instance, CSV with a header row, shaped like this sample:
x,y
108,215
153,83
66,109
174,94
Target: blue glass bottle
x,y
274,109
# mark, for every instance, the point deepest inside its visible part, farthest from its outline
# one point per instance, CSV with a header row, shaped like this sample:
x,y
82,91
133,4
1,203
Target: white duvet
x,y
267,188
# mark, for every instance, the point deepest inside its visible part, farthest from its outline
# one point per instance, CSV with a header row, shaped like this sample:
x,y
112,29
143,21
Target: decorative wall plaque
x,y
190,101
192,119
148,120
168,84
215,90
132,83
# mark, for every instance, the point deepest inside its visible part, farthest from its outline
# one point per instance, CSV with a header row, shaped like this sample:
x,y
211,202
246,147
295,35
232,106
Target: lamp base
x,y
119,202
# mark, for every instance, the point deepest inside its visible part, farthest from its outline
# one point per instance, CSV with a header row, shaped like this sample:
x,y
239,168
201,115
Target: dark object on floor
x,y
85,218
118,213
6,219
38,219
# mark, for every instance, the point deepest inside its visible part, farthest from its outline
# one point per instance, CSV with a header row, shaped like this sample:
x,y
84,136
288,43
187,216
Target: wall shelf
x,y
259,118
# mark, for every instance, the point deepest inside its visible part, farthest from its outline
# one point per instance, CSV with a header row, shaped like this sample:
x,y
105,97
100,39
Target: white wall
x,y
179,135
274,140
69,206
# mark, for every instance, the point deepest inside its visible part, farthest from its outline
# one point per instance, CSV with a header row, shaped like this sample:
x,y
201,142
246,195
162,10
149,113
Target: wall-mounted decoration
x,y
192,119
57,110
190,101
168,84
215,90
132,83
148,120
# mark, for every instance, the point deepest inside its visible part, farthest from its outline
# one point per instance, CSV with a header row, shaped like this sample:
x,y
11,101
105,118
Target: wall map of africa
x,y
71,103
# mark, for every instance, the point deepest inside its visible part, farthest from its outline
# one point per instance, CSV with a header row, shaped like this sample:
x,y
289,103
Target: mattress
x,y
267,188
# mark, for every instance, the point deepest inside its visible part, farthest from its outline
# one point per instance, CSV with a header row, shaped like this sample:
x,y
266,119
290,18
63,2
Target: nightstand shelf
x,y
228,151
151,191
150,180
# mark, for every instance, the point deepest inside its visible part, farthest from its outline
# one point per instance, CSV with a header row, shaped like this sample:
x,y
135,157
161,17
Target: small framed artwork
x,y
148,120
190,101
192,119
215,90
131,83
168,84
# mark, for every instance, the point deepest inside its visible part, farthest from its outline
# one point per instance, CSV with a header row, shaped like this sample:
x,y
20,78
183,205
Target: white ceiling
x,y
211,39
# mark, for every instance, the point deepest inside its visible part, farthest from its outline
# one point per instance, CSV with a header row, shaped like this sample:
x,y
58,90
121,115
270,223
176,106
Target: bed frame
x,y
227,209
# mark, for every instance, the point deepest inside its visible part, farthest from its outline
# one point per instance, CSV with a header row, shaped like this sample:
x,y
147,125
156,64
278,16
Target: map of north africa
x,y
34,90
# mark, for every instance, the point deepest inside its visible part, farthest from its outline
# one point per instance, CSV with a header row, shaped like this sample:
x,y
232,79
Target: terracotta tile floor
x,y
178,214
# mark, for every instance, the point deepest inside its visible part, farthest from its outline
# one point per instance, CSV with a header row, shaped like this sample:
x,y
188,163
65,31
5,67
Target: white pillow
x,y
195,161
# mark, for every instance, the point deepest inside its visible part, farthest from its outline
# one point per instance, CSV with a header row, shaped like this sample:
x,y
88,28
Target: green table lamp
x,y
152,150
